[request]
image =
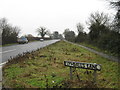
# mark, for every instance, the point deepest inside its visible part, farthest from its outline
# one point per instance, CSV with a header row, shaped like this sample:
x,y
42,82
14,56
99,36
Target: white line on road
x,y
8,51
1,64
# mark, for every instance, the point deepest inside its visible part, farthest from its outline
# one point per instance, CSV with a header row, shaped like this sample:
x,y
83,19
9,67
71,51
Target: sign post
x,y
71,73
90,66
95,76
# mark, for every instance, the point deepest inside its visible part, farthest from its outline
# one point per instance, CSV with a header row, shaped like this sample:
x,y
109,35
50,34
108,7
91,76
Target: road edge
x,y
112,58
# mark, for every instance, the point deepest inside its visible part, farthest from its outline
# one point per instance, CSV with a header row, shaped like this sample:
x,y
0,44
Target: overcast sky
x,y
56,15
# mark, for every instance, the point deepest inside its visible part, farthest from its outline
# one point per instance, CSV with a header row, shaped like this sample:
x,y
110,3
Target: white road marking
x,y
1,64
8,51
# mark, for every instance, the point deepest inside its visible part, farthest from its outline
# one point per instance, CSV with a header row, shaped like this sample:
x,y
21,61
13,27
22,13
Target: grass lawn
x,y
44,68
97,49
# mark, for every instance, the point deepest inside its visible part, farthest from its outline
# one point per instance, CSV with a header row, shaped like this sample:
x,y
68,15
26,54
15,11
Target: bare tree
x,y
42,31
8,32
81,34
49,34
80,27
116,5
69,35
66,31
56,35
98,24
3,24
99,18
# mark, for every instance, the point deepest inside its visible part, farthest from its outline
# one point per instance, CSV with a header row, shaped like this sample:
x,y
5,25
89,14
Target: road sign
x,y
91,66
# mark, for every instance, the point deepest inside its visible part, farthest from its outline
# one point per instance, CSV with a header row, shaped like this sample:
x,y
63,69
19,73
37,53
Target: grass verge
x,y
100,50
44,68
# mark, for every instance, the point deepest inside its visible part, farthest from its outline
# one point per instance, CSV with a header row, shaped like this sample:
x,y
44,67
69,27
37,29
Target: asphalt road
x,y
11,51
